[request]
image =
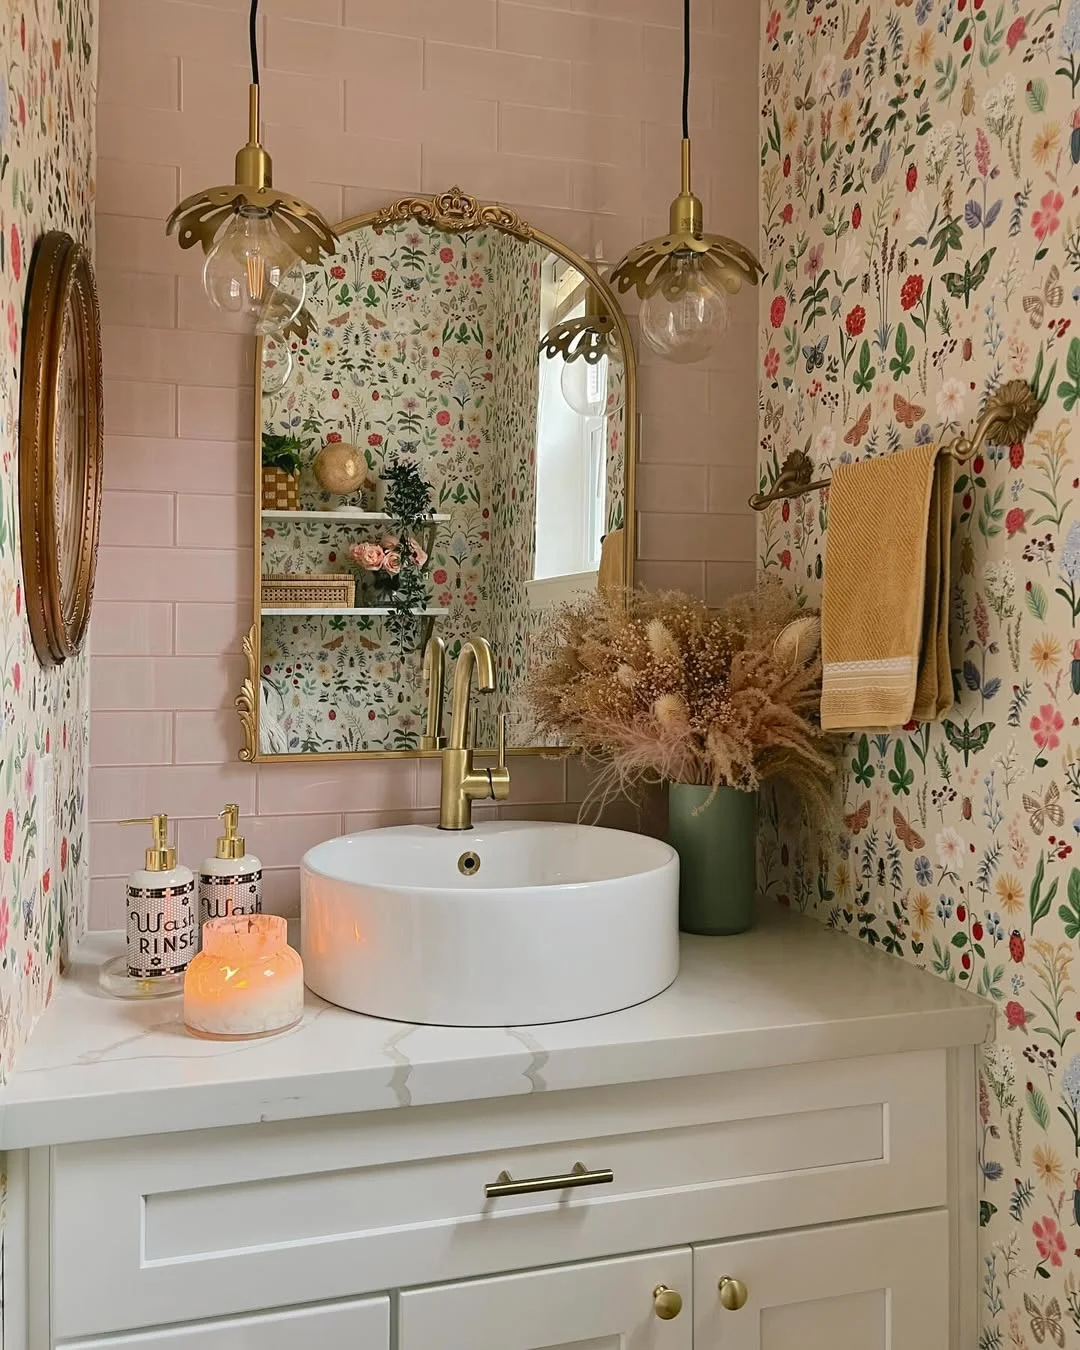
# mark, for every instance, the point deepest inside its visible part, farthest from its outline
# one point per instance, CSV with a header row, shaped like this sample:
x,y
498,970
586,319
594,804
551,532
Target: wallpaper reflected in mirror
x,y
423,348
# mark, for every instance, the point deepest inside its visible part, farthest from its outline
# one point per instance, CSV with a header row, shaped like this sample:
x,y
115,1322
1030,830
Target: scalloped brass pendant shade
x,y
199,219
648,270
589,338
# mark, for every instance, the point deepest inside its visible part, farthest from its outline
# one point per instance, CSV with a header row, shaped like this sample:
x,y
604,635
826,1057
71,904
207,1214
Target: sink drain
x,y
468,864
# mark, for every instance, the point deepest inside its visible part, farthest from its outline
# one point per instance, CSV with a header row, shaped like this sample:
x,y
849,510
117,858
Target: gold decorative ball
x,y
341,468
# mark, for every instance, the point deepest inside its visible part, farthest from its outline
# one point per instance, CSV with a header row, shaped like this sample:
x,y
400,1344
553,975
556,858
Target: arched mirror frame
x,y
456,213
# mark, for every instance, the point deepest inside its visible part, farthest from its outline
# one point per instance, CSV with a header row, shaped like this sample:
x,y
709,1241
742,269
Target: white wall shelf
x,y
368,612
353,517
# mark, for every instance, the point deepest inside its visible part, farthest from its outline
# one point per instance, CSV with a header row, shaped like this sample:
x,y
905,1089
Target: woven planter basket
x,y
280,490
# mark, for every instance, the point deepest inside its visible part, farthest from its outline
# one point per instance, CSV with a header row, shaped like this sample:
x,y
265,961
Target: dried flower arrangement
x,y
659,688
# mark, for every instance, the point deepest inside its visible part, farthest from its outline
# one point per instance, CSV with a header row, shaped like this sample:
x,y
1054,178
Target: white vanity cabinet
x,y
363,1325
797,1115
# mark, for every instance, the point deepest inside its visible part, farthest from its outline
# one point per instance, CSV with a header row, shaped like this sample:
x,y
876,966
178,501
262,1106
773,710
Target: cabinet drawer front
x,y
610,1303
882,1285
338,1326
202,1224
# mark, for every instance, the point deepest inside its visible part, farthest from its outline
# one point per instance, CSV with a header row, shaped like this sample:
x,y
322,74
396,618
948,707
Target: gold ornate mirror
x,y
450,336
60,446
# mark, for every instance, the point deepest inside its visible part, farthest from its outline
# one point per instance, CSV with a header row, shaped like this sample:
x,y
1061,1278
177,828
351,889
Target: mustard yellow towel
x,y
885,603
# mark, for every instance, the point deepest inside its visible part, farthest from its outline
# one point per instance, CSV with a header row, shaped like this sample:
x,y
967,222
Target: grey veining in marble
x,y
788,992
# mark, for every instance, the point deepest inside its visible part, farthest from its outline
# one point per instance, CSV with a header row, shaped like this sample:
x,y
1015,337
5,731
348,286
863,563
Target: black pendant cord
x,y
686,72
253,28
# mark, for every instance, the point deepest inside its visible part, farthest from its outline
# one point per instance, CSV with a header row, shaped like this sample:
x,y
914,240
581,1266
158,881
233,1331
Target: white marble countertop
x,y
788,992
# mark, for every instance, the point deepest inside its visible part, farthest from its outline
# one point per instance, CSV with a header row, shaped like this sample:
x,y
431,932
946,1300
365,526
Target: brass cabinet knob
x,y
667,1303
733,1293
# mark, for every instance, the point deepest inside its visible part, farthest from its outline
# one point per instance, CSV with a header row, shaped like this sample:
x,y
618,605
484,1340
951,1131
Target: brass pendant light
x,y
252,234
684,278
593,380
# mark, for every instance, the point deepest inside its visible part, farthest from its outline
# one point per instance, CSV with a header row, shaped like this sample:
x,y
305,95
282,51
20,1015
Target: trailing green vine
x,y
409,506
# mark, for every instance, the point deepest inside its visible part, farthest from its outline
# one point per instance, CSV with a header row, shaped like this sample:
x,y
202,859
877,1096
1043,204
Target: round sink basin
x,y
508,924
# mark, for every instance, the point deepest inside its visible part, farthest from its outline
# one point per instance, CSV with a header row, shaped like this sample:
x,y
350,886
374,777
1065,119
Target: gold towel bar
x,y
1009,414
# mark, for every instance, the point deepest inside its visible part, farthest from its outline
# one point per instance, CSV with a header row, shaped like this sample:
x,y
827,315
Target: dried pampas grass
x,y
657,687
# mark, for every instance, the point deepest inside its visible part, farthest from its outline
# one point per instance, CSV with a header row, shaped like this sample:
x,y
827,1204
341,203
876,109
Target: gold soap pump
x,y
230,882
161,927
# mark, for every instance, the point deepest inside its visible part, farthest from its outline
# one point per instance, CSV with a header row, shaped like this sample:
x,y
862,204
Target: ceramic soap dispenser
x,y
161,929
231,881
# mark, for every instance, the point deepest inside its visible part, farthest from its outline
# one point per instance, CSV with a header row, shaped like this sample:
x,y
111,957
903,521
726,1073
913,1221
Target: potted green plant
x,y
660,688
281,461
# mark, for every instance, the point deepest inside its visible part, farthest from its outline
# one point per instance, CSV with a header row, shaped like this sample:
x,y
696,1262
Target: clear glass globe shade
x,y
245,270
690,327
277,365
595,390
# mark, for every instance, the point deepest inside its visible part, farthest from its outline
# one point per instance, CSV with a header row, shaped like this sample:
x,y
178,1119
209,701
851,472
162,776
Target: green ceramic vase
x,y
717,848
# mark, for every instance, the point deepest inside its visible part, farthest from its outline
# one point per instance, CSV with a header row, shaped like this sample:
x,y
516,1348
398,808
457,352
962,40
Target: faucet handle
x,y
500,760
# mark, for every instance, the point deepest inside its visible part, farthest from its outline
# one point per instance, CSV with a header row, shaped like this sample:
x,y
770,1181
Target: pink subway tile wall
x,y
565,109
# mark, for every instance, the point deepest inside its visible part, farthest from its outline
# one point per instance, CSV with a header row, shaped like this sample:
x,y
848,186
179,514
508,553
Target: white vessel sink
x,y
507,924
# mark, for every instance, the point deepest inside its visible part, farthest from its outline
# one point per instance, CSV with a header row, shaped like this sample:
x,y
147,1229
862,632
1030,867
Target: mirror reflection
x,y
431,464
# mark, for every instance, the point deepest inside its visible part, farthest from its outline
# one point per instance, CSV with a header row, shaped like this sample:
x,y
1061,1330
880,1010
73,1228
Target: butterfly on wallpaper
x,y
772,77
910,838
853,48
908,413
968,740
815,355
877,173
1045,1320
855,434
1035,306
412,283
333,644
371,321
857,821
961,284
1049,809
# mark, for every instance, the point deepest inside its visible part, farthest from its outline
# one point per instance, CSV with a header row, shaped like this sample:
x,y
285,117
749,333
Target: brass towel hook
x,y
1009,415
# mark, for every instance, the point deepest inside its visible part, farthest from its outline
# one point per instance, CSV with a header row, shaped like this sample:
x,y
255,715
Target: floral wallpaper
x,y
48,78
921,238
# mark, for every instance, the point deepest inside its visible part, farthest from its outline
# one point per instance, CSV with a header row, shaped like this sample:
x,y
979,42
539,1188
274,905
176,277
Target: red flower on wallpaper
x,y
9,834
1047,218
1046,726
855,321
1049,1239
1017,29
912,177
338,272
1015,521
911,291
1017,1016
16,253
777,310
772,363
446,255
378,274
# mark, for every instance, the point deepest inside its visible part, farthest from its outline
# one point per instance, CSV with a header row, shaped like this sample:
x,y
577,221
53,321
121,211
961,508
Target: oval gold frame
x,y
455,212
61,290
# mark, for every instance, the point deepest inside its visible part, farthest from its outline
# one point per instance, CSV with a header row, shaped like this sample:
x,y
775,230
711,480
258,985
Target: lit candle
x,y
246,982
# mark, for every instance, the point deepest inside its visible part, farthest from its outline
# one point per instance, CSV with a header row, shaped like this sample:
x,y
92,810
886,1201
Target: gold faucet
x,y
435,679
461,783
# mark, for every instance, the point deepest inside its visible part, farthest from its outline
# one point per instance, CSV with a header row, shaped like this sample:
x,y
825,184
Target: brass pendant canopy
x,y
589,338
199,219
647,269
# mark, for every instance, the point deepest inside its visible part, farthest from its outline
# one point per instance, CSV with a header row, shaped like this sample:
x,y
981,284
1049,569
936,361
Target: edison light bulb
x,y
244,271
689,327
597,389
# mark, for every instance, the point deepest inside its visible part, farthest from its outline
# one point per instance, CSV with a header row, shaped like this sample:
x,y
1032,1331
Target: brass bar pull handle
x,y
580,1175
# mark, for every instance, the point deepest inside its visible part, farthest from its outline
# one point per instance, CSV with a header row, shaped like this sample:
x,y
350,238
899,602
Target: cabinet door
x,y
882,1285
604,1305
363,1325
